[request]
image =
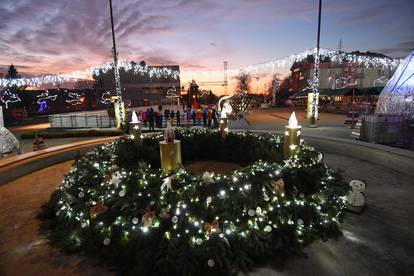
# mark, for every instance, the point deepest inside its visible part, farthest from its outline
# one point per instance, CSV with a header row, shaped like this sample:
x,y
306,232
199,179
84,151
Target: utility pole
x,y
315,87
340,45
225,84
118,89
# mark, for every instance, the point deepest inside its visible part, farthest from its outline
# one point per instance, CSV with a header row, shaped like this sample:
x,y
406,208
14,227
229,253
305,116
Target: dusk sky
x,y
43,36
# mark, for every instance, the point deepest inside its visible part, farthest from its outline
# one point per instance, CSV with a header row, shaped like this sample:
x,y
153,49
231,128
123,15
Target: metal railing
x,y
81,121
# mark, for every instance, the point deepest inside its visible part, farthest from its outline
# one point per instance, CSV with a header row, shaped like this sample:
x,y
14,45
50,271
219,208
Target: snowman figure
x,y
356,198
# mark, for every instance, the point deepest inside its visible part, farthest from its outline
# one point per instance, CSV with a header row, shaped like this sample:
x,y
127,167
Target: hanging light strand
x,y
167,72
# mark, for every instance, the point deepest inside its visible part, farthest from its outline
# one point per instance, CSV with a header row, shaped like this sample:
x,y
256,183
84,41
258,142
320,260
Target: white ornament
x,y
211,263
122,193
208,201
300,222
174,219
259,211
251,212
208,177
199,241
356,197
166,183
135,220
115,179
107,241
268,229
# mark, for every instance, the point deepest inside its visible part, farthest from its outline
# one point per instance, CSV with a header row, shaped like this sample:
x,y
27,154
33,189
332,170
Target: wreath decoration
x,y
116,203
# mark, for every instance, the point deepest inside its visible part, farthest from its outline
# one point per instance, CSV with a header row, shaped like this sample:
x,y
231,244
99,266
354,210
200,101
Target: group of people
x,y
207,117
154,118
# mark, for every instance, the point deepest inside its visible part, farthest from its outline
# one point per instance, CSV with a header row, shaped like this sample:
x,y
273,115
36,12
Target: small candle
x,y
170,151
135,126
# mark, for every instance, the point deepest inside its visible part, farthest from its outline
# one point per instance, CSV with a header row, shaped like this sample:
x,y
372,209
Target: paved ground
x,y
277,118
378,242
27,144
274,119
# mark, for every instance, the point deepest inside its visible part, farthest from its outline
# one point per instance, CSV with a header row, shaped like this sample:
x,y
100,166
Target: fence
x,y
386,129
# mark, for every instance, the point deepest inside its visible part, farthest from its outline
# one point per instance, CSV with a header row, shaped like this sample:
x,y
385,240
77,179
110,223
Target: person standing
x,y
193,116
172,116
214,117
204,114
209,118
151,119
144,117
178,118
199,116
166,114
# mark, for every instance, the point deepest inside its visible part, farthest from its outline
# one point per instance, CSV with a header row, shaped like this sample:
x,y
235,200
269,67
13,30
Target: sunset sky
x,y
43,36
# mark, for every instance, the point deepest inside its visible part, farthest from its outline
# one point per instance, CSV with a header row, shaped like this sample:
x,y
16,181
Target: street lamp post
x,y
118,89
315,86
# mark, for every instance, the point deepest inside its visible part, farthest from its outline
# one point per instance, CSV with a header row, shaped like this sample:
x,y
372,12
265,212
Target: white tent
x,y
8,142
397,97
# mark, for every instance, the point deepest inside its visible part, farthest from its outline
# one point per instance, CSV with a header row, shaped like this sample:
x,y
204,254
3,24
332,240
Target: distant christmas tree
x,y
12,73
13,96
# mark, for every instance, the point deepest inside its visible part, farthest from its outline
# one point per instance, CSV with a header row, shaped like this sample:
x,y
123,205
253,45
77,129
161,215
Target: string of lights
x,y
9,97
165,72
236,207
75,98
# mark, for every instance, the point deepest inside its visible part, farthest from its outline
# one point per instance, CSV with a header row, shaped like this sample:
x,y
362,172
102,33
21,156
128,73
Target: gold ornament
x,y
165,213
147,218
98,209
212,228
279,187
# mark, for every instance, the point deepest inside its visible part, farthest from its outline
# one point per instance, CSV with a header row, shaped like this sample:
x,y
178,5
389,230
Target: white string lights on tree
x,y
166,72
9,97
344,82
75,98
43,98
106,97
381,81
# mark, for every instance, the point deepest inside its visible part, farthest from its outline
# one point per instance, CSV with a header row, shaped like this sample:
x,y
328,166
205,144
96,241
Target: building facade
x,y
141,90
335,75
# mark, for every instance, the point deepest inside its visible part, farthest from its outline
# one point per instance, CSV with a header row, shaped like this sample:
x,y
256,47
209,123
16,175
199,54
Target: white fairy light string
x,y
9,97
165,72
75,98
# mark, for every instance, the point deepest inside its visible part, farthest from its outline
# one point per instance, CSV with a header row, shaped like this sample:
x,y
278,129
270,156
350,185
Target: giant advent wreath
x,y
117,204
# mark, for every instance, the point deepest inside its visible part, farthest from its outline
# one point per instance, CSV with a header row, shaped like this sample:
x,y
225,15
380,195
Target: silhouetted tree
x,y
85,84
12,73
243,80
